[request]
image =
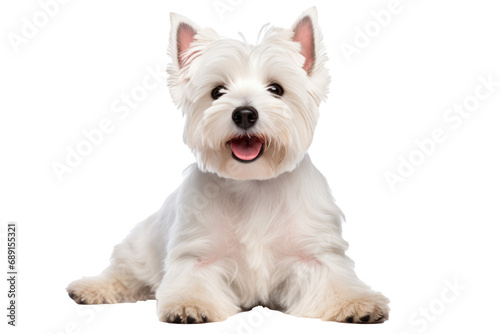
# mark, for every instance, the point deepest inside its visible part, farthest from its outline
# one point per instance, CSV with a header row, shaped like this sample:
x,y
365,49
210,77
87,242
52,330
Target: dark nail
x,y
366,318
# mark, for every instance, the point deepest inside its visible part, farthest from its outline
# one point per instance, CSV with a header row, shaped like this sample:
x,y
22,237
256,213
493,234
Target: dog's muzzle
x,y
246,148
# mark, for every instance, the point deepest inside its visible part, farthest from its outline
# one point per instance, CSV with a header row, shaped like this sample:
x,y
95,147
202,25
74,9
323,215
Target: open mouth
x,y
246,149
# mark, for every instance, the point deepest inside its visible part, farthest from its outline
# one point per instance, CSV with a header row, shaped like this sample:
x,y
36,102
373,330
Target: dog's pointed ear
x,y
182,35
306,32
187,42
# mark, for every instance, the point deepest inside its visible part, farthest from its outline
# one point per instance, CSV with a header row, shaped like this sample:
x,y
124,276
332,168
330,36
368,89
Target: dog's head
x,y
250,110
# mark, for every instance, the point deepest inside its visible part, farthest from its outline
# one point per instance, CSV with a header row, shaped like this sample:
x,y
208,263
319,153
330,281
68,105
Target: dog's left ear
x,y
307,33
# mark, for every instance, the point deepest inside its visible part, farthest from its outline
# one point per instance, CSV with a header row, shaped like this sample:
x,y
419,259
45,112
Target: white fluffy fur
x,y
235,235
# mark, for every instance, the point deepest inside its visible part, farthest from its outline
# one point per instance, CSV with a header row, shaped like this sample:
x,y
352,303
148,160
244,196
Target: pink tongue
x,y
245,148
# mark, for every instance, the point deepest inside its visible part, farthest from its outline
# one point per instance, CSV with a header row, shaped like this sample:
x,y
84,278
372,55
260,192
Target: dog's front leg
x,y
326,287
197,289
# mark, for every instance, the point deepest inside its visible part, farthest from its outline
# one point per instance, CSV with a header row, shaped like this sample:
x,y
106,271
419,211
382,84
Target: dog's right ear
x,y
187,42
182,36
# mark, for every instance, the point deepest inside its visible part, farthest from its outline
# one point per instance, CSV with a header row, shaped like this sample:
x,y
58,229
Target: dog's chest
x,y
262,226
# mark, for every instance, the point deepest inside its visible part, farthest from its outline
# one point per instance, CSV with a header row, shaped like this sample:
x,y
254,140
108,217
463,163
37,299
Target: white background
x,y
440,225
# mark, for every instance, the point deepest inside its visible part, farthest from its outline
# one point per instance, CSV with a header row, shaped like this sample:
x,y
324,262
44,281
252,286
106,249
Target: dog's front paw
x,y
180,314
370,308
192,311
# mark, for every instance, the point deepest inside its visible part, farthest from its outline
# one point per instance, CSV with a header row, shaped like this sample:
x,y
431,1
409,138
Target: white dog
x,y
254,222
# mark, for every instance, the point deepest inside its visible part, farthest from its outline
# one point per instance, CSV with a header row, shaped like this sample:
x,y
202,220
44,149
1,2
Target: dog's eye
x,y
216,92
275,89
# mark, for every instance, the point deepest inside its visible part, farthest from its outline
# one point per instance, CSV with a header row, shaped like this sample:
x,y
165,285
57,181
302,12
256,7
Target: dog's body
x,y
254,221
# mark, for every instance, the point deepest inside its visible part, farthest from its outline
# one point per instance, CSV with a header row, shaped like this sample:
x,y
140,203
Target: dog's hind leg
x,y
133,274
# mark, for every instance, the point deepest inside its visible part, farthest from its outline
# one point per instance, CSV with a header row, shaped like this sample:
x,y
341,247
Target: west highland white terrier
x,y
254,222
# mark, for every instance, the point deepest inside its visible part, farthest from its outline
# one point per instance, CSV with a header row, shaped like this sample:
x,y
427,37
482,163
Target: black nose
x,y
245,117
